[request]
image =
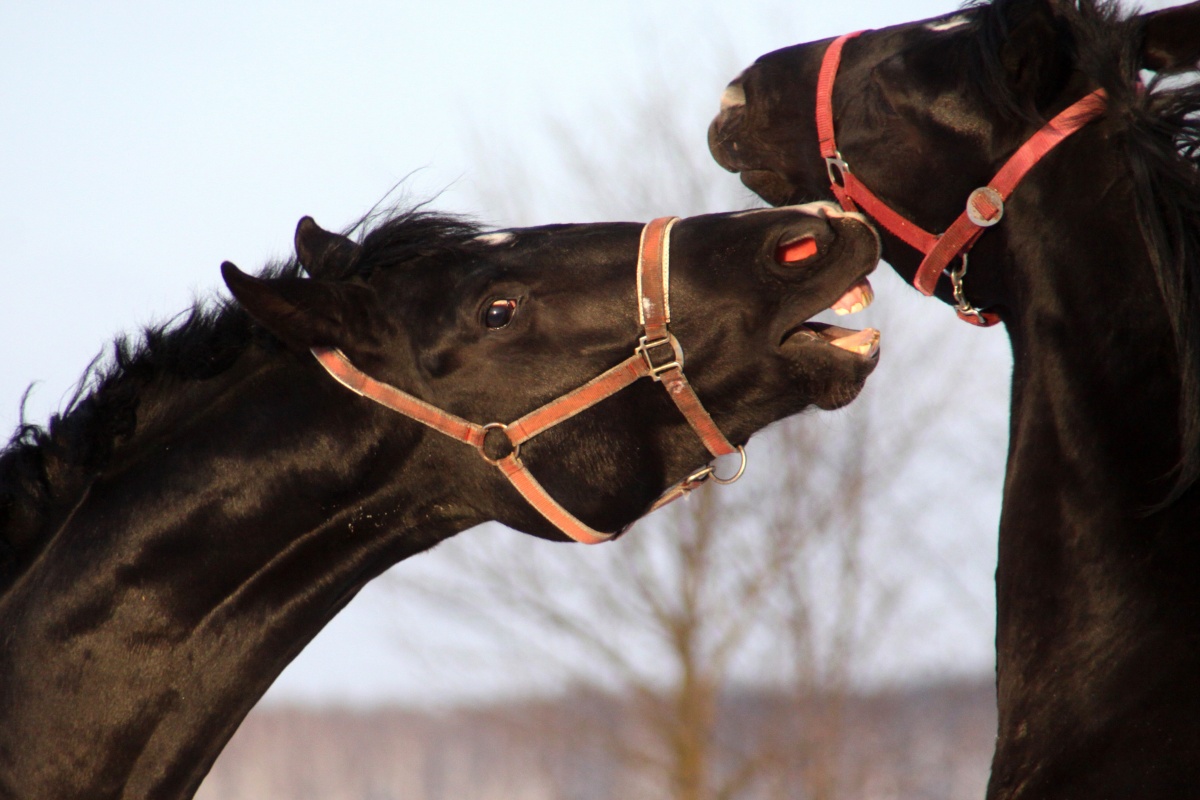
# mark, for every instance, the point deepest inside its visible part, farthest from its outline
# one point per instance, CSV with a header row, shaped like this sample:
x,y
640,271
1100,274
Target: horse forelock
x,y
399,237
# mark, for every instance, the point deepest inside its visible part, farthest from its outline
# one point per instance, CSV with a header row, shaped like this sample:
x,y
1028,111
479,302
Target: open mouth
x,y
863,343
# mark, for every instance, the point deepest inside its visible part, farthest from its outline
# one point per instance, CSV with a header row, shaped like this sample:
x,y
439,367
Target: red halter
x,y
984,207
654,313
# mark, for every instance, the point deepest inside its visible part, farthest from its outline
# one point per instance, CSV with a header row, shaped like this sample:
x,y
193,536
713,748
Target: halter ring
x,y
497,426
741,468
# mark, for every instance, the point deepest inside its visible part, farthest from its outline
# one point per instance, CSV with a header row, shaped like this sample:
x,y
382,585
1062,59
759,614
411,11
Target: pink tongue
x,y
856,299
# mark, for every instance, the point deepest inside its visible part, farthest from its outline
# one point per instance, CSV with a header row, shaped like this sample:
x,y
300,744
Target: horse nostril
x,y
796,250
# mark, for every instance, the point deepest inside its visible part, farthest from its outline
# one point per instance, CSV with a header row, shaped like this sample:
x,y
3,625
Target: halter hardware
x,y
656,371
984,207
653,282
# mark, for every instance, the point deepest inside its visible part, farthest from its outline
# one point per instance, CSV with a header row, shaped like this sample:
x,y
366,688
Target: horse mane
x,y
45,471
1162,145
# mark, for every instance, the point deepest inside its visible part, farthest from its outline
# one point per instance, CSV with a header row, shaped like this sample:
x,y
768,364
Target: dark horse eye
x,y
500,313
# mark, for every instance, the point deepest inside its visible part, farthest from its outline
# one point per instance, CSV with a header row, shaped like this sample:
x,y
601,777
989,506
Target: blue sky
x,y
142,143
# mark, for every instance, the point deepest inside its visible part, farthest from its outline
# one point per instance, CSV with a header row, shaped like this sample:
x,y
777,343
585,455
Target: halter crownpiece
x,y
984,206
658,355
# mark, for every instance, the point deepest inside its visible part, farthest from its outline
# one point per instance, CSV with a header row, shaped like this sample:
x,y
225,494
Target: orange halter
x,y
654,313
984,207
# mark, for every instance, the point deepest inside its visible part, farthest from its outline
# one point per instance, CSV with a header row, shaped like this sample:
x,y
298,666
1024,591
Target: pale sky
x,y
142,143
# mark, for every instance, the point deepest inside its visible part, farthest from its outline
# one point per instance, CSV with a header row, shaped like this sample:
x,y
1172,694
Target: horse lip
x,y
833,335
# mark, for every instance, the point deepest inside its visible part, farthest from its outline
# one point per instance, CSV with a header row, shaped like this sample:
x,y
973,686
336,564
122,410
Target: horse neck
x,y
1096,593
1095,360
229,528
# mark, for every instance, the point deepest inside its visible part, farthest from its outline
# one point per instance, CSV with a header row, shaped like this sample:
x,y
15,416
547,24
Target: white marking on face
x,y
733,96
496,239
957,21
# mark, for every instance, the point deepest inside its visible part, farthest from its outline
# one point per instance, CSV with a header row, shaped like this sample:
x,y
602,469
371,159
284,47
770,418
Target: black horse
x,y
1093,270
176,537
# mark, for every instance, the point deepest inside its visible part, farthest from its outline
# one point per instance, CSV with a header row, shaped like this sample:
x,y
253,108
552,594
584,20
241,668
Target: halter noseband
x,y
658,355
984,207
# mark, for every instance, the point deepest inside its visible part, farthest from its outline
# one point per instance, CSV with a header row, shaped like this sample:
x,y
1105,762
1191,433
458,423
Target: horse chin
x,y
835,361
769,185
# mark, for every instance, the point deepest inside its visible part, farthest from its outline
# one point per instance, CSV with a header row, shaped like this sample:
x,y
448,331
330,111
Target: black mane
x,y
1162,142
45,470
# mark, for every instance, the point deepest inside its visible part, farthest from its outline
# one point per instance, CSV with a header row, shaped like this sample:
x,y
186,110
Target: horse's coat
x,y
178,535
1093,270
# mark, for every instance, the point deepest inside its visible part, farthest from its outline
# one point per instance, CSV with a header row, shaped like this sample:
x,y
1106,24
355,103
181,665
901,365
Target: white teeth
x,y
864,342
859,296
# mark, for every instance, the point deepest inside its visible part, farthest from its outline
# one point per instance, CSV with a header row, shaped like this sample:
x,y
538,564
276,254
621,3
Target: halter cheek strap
x,y
658,355
984,206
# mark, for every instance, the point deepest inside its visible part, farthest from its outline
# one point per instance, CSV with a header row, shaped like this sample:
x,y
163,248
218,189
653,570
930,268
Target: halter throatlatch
x,y
984,207
658,355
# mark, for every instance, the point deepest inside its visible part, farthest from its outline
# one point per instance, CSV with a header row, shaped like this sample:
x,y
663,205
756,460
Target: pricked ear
x,y
307,313
1171,39
324,254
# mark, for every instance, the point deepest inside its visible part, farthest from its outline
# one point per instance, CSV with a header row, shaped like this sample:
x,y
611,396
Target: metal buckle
x,y
644,347
833,162
960,297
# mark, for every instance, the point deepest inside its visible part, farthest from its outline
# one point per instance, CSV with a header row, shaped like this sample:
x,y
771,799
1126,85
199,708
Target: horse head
x,y
928,112
489,327
249,495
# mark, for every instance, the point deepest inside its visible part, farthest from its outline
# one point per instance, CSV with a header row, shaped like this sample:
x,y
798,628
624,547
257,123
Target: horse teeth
x,y
856,298
863,343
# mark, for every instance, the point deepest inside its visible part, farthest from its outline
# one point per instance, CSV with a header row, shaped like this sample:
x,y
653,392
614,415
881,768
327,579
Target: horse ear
x,y
321,253
1171,38
307,313
1034,53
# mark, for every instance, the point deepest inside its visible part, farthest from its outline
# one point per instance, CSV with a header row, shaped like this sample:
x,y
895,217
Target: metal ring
x,y
516,448
741,468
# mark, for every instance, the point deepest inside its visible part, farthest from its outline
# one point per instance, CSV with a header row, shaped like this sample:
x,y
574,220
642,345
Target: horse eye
x,y
500,313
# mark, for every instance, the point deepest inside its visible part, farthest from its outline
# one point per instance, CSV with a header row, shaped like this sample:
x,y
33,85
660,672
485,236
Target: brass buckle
x,y
644,347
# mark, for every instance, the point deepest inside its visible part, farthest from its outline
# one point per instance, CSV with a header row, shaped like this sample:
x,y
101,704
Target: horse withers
x,y
1025,166
173,539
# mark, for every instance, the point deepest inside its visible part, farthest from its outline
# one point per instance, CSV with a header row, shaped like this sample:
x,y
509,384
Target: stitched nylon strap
x,y
357,381
653,311
524,429
985,206
654,308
